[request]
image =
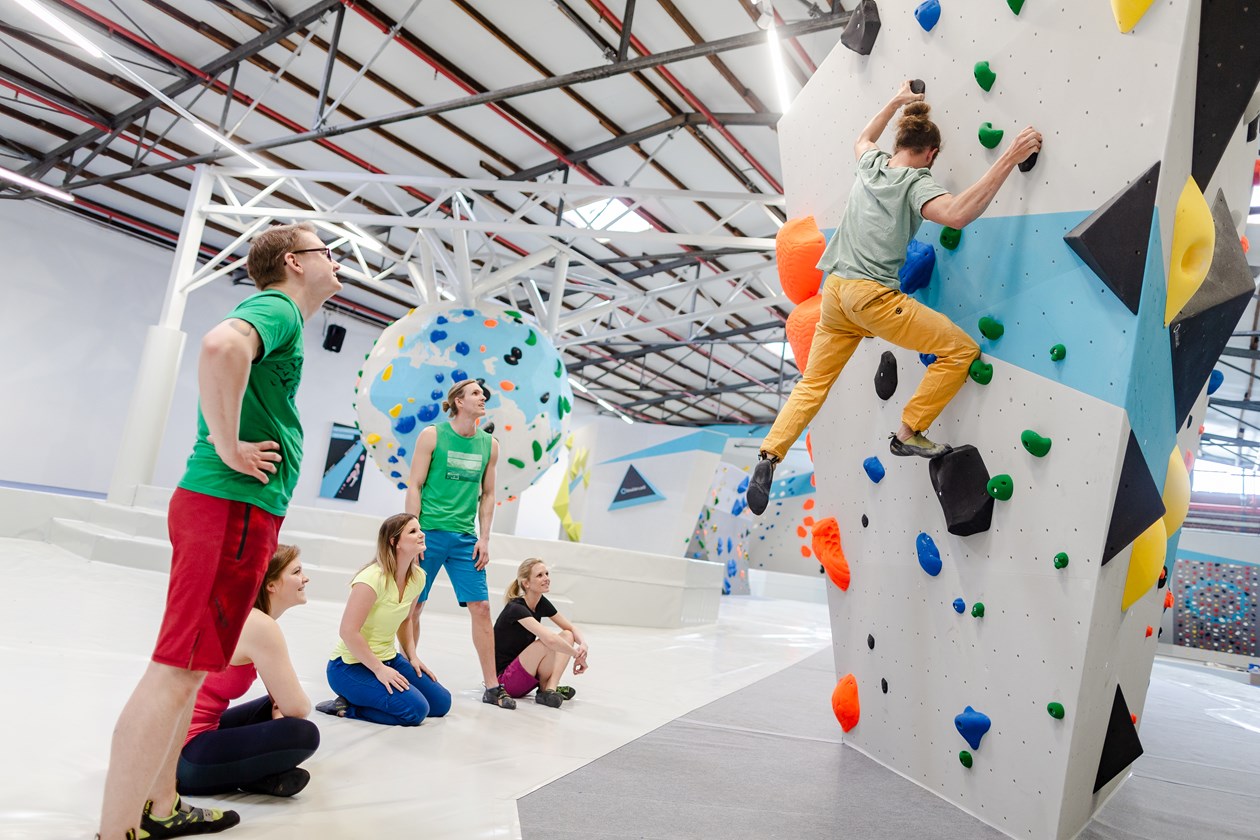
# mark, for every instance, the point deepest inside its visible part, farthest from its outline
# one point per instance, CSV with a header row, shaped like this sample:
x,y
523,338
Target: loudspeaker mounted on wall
x,y
333,336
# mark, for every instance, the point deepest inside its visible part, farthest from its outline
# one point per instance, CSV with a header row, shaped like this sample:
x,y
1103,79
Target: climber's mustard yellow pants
x,y
856,309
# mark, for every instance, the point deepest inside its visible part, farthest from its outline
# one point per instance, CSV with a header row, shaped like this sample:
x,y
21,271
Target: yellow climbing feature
x,y
1194,237
1176,492
1145,563
1129,12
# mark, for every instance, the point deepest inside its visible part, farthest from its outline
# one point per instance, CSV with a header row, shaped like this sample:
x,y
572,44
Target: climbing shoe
x,y
498,696
758,493
286,783
566,692
543,697
186,821
336,707
916,445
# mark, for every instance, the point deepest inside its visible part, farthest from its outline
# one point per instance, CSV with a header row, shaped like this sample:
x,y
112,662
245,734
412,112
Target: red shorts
x,y
516,681
220,553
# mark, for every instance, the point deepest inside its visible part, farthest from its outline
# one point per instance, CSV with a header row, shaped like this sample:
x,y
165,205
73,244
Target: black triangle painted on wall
x,y
1138,502
1121,747
1114,239
1229,70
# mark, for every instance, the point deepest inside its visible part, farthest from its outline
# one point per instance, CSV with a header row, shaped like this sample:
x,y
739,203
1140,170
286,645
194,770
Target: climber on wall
x,y
862,296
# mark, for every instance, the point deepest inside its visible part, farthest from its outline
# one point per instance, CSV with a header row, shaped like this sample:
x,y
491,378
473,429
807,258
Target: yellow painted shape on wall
x,y
1129,12
1145,563
373,439
396,410
1194,238
1176,492
387,373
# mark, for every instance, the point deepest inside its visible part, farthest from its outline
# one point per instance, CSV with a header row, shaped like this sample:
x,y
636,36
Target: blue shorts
x,y
455,552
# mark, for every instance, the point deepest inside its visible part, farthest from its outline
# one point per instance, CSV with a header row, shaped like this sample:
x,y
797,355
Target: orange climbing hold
x,y
809,504
830,552
1168,600
1150,631
805,551
809,520
844,702
800,531
801,323
507,386
798,246
491,323
809,445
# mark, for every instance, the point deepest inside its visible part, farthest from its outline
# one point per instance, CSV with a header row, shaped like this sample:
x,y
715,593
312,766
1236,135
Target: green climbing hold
x,y
1015,5
1061,560
1035,443
517,462
512,313
552,443
981,372
559,368
977,611
1001,487
538,451
950,237
533,338
563,407
965,758
1055,710
991,329
985,77
990,136
1058,353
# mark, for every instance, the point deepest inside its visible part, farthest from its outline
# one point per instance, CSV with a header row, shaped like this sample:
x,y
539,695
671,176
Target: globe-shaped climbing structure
x,y
418,358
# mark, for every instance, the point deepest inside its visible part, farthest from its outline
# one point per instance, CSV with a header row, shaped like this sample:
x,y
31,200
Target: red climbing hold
x,y
1150,631
1168,600
844,702
830,552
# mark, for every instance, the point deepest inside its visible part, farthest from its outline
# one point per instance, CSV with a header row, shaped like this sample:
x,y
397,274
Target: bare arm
x,y
420,460
553,641
958,211
227,352
264,644
362,597
564,624
485,510
869,138
408,635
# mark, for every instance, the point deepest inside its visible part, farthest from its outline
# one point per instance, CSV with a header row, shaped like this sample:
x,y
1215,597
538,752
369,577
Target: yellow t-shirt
x,y
387,614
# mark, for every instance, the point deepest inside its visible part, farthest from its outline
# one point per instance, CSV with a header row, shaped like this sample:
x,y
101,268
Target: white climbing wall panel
x,y
1109,106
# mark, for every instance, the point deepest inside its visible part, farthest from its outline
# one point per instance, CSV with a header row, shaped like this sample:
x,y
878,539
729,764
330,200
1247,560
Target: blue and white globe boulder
x,y
419,356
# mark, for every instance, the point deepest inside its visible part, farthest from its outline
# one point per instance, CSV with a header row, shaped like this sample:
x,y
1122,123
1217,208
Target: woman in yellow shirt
x,y
373,681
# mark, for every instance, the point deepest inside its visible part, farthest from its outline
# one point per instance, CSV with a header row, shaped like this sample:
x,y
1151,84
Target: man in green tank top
x,y
451,490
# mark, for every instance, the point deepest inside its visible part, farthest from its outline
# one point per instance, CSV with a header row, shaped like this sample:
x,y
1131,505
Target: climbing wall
x,y
783,542
723,527
1006,669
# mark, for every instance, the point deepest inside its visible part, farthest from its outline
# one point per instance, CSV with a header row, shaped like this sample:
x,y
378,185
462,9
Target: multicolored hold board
x,y
1215,606
418,357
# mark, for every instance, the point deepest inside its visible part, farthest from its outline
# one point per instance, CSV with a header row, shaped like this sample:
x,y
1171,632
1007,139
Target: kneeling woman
x,y
373,681
256,746
528,655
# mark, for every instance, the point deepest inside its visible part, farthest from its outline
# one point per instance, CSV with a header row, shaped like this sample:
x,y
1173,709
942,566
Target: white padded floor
x,y
75,637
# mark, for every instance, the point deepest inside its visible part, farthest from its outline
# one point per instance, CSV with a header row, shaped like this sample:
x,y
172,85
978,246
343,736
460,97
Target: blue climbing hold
x,y
730,546
441,319
726,585
929,554
740,504
927,14
436,394
927,358
439,376
972,725
402,453
404,425
731,568
960,606
743,486
462,348
916,273
437,335
458,375
874,469
1215,381
427,413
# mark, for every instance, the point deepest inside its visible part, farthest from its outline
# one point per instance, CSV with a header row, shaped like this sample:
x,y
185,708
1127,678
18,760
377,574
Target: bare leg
x,y
483,640
905,432
163,793
143,739
551,669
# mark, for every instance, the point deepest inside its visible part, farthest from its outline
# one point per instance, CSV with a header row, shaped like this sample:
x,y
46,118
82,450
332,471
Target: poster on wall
x,y
343,468
634,490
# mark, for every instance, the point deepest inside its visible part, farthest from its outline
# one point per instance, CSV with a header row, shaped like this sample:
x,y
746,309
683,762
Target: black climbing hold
x,y
862,29
1121,747
1201,330
545,397
916,85
1228,73
488,428
870,641
1163,578
961,480
1028,163
1112,240
883,685
886,376
865,522
1138,503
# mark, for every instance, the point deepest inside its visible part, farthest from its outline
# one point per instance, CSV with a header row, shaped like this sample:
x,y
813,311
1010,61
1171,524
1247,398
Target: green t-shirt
x,y
268,410
452,489
884,211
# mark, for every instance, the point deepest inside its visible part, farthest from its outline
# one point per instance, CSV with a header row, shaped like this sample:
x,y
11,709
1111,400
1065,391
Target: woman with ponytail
x,y
861,295
528,655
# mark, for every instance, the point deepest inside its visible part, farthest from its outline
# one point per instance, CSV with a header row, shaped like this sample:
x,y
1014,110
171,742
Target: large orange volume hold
x,y
801,323
830,552
798,246
844,702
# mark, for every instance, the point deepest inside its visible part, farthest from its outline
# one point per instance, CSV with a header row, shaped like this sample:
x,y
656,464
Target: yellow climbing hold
x,y
1145,563
1176,492
1194,238
396,410
373,439
402,338
1129,12
387,373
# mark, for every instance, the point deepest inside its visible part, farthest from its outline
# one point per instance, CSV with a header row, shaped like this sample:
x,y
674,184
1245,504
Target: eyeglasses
x,y
327,252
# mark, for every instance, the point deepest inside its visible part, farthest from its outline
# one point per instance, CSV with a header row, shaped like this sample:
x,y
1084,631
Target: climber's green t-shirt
x,y
452,488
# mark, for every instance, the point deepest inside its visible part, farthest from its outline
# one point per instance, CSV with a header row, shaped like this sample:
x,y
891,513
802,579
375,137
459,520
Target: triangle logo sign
x,y
634,490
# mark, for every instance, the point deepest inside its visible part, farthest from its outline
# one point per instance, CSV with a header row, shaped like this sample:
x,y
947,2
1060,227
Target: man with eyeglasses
x,y
224,519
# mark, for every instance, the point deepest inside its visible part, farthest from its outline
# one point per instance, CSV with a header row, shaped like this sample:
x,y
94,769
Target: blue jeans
x,y
369,700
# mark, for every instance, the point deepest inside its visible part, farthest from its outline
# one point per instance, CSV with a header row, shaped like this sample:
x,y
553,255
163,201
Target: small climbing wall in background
x,y
783,540
993,611
722,530
1216,606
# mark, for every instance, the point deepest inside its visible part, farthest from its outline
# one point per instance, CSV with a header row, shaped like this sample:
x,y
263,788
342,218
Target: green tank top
x,y
452,488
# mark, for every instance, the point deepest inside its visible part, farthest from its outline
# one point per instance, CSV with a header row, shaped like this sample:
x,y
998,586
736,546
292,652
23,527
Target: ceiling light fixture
x,y
62,27
31,184
780,72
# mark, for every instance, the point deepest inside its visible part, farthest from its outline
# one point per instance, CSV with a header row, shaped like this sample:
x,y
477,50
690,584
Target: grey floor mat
x,y
761,764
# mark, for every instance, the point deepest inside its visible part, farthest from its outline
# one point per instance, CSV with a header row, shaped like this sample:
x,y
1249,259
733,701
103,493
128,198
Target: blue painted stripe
x,y
701,441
